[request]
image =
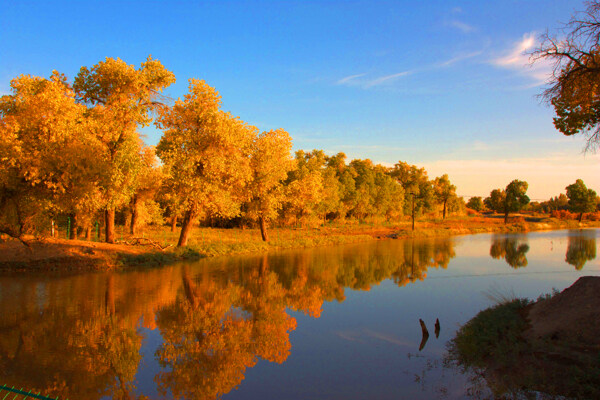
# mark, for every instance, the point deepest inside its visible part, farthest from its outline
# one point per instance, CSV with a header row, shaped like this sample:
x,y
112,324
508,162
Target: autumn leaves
x,y
74,149
216,162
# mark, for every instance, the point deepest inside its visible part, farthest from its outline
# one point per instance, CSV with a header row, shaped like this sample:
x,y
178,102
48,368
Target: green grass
x,y
158,258
492,345
494,334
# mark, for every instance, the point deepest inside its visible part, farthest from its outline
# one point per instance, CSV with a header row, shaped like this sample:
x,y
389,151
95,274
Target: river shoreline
x,y
51,254
549,346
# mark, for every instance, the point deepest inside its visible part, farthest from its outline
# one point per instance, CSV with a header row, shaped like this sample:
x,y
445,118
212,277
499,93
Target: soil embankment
x,y
571,317
550,347
63,255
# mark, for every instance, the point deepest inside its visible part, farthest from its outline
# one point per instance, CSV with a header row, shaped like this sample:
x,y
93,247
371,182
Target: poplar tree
x,y
515,197
120,98
44,154
270,161
443,191
206,155
581,199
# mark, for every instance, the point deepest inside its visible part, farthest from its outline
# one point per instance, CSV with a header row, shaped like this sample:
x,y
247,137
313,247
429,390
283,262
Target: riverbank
x,y
550,346
156,245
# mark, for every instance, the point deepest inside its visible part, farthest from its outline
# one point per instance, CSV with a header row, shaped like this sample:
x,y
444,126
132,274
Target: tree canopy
x,y
581,199
120,98
573,87
205,152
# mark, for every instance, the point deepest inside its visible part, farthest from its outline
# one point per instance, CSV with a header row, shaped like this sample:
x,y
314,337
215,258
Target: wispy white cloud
x,y
461,26
362,80
460,57
387,78
517,58
366,83
348,79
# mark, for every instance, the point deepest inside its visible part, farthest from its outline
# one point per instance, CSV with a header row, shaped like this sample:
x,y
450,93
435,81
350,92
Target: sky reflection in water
x,y
338,322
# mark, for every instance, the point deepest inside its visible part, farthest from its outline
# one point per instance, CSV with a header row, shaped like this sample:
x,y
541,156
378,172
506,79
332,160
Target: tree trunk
x,y
134,214
444,212
264,266
109,297
580,216
186,227
88,233
189,288
173,223
109,225
505,216
263,229
73,227
413,212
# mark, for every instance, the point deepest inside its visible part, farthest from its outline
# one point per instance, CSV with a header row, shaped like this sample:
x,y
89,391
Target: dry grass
x,y
209,242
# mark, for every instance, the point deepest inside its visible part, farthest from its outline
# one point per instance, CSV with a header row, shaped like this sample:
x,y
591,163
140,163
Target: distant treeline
x,y
579,200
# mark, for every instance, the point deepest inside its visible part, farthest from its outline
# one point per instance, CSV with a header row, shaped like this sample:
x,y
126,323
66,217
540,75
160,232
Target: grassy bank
x,y
497,346
488,224
212,242
156,245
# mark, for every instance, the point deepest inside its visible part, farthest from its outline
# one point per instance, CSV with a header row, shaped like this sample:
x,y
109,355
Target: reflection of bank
x,y
512,248
581,248
216,318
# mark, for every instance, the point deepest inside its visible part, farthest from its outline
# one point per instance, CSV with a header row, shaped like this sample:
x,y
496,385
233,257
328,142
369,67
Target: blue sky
x,y
439,84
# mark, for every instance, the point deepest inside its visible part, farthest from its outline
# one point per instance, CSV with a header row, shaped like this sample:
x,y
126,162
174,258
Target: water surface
x,y
327,323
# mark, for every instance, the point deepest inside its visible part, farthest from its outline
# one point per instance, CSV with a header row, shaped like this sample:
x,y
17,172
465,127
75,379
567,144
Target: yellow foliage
x,y
205,152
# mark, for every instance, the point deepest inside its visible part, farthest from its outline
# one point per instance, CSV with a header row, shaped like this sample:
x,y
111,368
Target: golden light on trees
x,y
205,152
270,163
120,98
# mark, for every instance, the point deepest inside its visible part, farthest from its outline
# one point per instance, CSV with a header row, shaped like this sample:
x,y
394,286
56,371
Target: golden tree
x,y
270,161
443,191
205,152
120,98
304,186
148,183
44,152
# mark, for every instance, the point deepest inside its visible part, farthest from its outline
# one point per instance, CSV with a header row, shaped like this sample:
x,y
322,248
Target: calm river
x,y
326,323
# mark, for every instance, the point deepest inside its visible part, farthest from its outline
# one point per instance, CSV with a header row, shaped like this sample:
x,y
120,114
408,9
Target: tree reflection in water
x,y
581,248
214,332
80,337
55,351
512,248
